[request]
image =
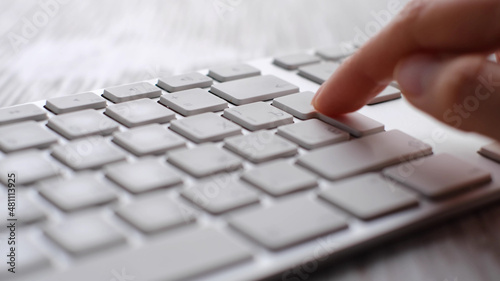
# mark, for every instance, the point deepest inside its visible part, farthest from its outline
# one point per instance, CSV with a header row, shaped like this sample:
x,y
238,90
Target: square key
x,y
194,101
312,133
369,196
139,112
291,62
25,135
319,72
79,192
184,82
261,146
76,102
299,105
257,116
204,160
491,151
205,127
221,194
20,113
336,52
438,175
149,139
28,166
131,92
389,93
83,123
144,175
155,213
233,72
280,178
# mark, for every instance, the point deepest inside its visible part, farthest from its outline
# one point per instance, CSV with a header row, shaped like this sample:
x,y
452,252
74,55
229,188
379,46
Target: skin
x,y
437,51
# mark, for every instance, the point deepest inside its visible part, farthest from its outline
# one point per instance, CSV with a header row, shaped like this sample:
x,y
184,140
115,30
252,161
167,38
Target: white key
x,y
155,213
149,139
28,167
221,194
28,211
253,89
389,93
363,155
318,73
131,92
354,123
205,127
312,134
83,234
233,72
79,192
76,102
139,112
88,153
144,175
337,52
82,124
369,196
28,254
194,101
438,175
299,105
281,225
184,82
261,146
295,61
20,113
280,178
491,151
258,116
204,160
28,134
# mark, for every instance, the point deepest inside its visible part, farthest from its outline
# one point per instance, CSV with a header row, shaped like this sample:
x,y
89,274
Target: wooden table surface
x,y
70,47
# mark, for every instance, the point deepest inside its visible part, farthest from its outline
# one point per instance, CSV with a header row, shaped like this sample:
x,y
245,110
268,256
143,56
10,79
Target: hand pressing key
x,y
437,51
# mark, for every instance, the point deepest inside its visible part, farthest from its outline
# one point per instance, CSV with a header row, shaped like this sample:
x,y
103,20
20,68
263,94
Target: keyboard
x,y
225,174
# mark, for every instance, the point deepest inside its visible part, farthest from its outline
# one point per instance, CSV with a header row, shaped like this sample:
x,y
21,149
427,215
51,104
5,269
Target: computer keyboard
x,y
226,174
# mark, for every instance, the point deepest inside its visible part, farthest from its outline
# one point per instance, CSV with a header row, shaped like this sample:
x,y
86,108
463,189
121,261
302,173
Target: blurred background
x,y
53,47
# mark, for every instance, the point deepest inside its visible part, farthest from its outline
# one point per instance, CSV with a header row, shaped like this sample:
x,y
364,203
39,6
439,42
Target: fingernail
x,y
415,74
318,92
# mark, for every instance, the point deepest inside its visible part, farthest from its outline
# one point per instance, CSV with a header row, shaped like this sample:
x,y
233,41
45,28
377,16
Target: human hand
x,y
437,51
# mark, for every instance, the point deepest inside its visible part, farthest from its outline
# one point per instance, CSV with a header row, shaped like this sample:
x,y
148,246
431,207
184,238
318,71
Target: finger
x,y
498,56
463,92
429,25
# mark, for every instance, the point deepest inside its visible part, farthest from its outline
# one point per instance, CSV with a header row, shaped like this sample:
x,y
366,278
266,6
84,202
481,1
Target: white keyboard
x,y
225,174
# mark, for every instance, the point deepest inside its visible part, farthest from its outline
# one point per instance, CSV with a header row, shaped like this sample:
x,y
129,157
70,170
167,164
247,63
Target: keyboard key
x,y
363,155
28,166
28,134
233,72
184,82
354,123
194,101
205,127
155,213
253,89
75,102
389,93
144,175
299,105
204,160
80,192
84,234
337,52
261,146
318,73
131,92
149,139
280,178
82,124
312,134
139,112
27,211
438,175
294,61
258,116
221,194
27,254
88,153
491,151
314,219
369,196
21,113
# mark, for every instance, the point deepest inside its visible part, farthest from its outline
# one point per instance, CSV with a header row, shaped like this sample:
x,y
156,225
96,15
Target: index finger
x,y
444,26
